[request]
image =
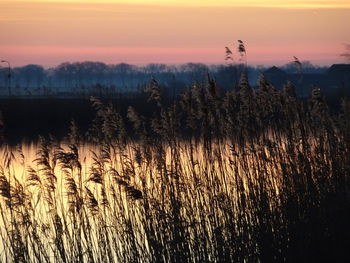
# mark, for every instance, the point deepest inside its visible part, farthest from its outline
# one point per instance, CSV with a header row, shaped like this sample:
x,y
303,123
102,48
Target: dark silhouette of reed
x,y
250,175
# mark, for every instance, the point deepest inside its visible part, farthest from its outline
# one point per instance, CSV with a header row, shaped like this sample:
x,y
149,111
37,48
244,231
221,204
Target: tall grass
x,y
253,175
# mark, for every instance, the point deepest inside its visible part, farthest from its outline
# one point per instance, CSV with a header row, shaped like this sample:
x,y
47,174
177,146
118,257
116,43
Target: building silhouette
x,y
334,81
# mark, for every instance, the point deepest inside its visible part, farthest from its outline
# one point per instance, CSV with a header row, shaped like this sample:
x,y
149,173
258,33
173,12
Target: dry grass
x,y
248,176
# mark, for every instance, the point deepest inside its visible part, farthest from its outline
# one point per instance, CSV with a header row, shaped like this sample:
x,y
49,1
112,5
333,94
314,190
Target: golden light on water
x,y
128,196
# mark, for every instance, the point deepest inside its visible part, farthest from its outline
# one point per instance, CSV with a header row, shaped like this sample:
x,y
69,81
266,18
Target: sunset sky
x,y
172,31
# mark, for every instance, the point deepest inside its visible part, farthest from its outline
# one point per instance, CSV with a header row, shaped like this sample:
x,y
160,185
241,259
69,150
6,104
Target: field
x,y
252,175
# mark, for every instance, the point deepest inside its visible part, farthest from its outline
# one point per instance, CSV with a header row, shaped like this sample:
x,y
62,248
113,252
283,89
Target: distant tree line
x,y
96,78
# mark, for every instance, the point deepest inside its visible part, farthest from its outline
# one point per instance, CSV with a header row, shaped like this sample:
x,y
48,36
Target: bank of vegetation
x,y
249,175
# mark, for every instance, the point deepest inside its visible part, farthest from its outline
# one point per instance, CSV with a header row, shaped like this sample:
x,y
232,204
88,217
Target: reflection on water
x,y
127,201
184,202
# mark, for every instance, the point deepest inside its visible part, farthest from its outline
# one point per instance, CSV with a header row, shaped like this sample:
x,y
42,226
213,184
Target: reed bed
x,y
252,175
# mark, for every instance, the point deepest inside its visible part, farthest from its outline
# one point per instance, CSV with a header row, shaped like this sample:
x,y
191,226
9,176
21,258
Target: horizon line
x,y
272,64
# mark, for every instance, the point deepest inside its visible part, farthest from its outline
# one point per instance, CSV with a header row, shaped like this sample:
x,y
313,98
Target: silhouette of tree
x,y
64,74
122,70
31,75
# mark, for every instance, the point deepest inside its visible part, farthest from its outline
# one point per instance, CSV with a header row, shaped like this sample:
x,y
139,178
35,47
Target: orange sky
x,y
173,31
